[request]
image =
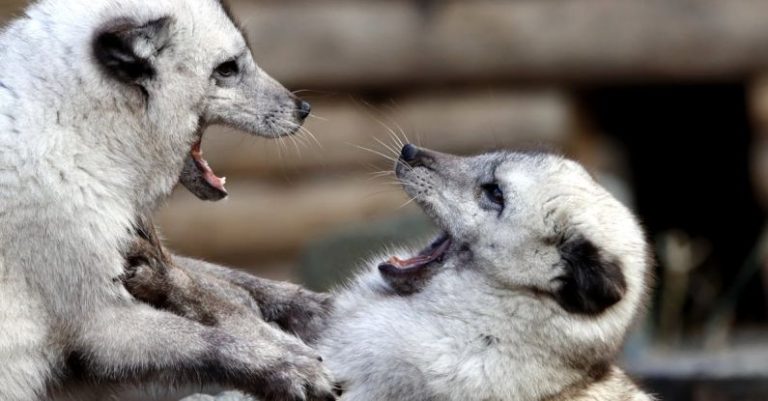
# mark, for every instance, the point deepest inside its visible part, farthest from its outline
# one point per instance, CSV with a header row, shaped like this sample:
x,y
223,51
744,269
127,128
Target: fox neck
x,y
515,333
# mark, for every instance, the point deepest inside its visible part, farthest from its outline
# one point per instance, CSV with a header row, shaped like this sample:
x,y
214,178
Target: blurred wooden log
x,y
10,9
347,43
261,221
741,360
454,122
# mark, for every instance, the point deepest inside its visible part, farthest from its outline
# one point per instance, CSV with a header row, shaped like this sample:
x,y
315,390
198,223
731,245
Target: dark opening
x,y
688,154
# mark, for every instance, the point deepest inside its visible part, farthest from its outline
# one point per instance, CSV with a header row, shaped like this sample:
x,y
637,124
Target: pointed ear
x,y
592,282
125,49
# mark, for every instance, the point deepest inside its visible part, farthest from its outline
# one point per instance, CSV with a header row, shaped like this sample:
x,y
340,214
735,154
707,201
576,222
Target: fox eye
x,y
493,193
227,69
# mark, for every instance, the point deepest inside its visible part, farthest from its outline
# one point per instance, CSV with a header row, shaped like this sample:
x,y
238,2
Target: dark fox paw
x,y
147,281
301,380
301,312
296,374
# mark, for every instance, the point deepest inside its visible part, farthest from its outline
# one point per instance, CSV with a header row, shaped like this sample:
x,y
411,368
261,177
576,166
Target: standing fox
x,y
102,106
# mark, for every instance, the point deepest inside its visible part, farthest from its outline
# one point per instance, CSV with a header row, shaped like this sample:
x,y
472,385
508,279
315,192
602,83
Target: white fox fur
x,y
100,103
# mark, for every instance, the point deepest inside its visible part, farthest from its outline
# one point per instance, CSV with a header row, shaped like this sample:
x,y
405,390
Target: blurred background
x,y
666,101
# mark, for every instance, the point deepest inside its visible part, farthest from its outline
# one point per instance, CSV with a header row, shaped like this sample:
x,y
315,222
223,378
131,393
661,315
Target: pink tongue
x,y
408,263
202,165
419,260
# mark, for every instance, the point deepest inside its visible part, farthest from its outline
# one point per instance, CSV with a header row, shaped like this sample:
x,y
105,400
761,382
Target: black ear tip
x,y
592,282
119,61
114,48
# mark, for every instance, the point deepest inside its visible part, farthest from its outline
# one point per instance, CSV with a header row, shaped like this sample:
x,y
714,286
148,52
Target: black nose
x,y
303,109
410,154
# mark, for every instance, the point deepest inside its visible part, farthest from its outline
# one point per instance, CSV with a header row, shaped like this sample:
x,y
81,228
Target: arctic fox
x,y
101,102
525,295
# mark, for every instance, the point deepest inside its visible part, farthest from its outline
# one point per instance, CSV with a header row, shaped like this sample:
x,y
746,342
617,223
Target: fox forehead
x,y
207,22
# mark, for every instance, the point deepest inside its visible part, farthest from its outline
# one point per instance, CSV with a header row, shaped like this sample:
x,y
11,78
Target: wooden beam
x,y
10,9
458,121
391,44
260,220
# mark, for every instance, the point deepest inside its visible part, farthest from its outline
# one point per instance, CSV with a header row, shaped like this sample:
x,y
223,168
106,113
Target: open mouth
x,y
198,176
417,265
205,169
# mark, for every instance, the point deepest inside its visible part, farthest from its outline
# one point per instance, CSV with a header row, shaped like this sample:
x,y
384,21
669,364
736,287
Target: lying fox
x,y
526,294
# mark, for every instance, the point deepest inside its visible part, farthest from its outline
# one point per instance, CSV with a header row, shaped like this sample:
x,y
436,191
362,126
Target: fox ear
x,y
125,49
592,282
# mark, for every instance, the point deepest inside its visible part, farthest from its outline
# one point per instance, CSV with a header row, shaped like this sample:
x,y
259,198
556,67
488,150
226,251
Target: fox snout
x,y
303,109
410,154
413,156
